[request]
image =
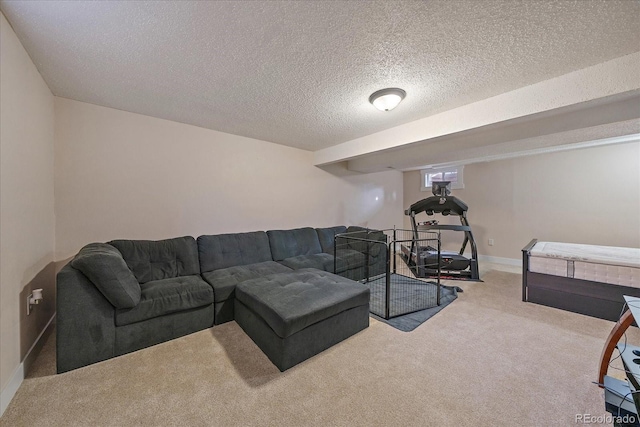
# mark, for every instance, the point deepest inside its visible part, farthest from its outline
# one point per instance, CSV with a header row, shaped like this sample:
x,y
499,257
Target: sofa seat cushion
x,y
104,266
224,281
163,259
290,302
161,297
320,261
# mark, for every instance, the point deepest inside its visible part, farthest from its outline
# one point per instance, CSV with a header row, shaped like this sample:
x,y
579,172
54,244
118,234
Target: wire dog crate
x,y
375,258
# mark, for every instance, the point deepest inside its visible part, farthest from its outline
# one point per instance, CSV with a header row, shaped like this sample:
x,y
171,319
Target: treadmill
x,y
423,260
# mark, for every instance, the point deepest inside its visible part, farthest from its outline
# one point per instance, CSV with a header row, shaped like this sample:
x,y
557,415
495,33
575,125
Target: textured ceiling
x,y
300,73
573,126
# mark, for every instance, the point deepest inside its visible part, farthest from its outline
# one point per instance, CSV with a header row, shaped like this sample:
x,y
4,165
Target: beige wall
x,y
26,201
125,175
587,196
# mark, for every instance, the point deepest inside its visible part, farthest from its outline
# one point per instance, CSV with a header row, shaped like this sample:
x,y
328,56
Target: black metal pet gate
x,y
374,257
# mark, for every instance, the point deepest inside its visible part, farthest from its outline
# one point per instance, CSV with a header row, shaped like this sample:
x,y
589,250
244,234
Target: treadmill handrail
x,y
444,227
452,204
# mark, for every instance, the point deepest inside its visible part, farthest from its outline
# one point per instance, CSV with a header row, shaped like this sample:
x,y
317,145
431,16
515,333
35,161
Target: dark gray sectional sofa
x,y
117,297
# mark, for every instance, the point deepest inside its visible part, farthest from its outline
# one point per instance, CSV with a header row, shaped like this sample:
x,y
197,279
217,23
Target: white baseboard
x,y
11,388
18,375
500,260
496,259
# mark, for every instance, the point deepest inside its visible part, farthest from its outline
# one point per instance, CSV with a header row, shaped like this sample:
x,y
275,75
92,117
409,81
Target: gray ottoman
x,y
295,315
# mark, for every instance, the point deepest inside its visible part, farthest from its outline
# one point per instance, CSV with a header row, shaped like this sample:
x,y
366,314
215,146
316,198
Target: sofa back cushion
x,y
104,266
326,236
230,250
289,243
162,259
377,248
356,232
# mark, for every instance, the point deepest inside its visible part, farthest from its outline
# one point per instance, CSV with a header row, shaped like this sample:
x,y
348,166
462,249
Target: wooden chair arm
x,y
614,337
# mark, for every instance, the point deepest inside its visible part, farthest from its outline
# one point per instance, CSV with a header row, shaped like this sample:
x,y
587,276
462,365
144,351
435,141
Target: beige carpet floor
x,y
488,359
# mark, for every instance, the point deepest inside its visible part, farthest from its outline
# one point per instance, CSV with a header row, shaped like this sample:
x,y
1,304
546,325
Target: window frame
x,y
459,185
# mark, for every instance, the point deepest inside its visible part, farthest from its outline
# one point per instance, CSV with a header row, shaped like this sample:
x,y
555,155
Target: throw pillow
x,y
104,266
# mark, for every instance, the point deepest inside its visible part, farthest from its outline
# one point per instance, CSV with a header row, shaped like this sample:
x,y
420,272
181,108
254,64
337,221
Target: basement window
x,y
453,174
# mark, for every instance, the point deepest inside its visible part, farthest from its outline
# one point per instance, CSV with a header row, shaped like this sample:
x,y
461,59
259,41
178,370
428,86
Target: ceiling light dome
x,y
387,99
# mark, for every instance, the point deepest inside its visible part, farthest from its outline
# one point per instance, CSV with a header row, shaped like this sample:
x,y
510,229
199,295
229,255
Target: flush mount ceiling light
x,y
387,99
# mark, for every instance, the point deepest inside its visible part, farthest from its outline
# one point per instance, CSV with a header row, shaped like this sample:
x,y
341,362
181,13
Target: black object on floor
x,y
409,322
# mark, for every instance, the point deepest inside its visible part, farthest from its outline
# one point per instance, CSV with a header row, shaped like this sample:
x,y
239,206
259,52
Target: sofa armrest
x,y
375,249
378,262
85,322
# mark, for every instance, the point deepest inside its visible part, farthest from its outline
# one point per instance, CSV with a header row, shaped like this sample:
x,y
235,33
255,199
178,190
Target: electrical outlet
x,y
491,242
33,298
